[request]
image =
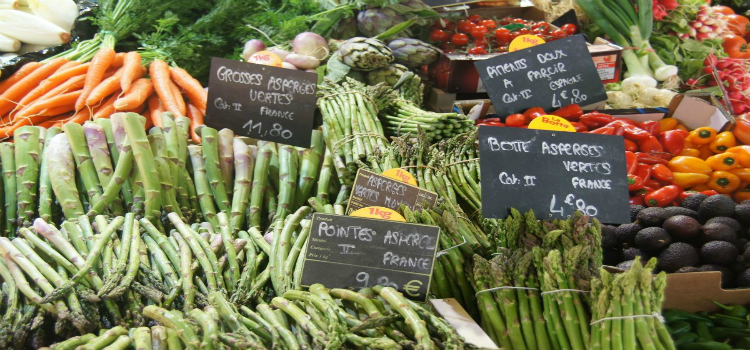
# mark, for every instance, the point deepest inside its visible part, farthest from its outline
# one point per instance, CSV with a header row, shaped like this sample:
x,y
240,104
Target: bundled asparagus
x,y
626,309
401,117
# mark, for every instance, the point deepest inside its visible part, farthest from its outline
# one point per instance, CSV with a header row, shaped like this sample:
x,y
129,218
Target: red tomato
x,y
479,31
569,28
723,10
738,24
516,120
503,35
523,31
478,50
542,25
559,33
480,42
475,18
439,35
490,24
735,46
465,26
441,23
519,21
460,39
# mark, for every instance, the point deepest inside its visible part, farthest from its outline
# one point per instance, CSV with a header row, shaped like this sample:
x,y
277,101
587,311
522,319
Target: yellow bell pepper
x,y
689,144
690,152
723,182
722,142
742,173
681,127
700,188
722,161
687,180
684,164
667,124
702,136
742,153
705,151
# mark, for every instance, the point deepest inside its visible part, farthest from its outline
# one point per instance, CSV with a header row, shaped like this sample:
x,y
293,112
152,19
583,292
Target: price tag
x,y
554,173
549,75
400,175
266,58
365,252
380,213
552,123
374,190
262,102
524,42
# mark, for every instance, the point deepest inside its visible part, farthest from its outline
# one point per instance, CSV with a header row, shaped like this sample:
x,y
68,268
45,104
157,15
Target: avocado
x,y
742,213
611,256
738,265
716,205
632,253
746,254
741,243
693,202
652,239
634,210
734,224
727,276
626,234
672,211
719,253
677,256
687,269
651,217
717,232
609,237
743,280
682,228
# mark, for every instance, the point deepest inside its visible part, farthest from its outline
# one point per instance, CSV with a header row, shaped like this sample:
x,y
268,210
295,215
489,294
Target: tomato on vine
x,y
475,18
479,31
478,50
569,28
439,35
503,35
465,26
460,39
490,24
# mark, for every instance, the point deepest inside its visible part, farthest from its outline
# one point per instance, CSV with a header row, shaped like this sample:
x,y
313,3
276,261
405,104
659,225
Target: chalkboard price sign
x,y
371,189
351,252
262,102
554,173
550,76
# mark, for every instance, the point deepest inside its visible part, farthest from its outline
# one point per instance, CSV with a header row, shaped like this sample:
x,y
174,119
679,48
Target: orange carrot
x,y
56,121
192,87
105,88
159,71
139,92
71,84
131,70
55,101
46,85
99,65
22,72
8,130
51,112
118,60
61,75
10,97
196,119
178,98
156,108
80,117
107,108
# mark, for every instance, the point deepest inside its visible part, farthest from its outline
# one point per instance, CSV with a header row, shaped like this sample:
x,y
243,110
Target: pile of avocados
x,y
705,233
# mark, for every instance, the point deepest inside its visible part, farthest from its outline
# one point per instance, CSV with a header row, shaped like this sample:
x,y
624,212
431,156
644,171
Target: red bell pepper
x,y
662,197
649,145
596,119
635,133
631,162
709,192
637,200
673,141
626,121
652,127
579,127
643,170
662,173
635,182
649,159
607,130
685,194
631,146
662,155
654,183
572,112
534,112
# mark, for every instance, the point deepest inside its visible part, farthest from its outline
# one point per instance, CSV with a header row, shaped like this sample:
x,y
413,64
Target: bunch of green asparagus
x,y
626,309
403,117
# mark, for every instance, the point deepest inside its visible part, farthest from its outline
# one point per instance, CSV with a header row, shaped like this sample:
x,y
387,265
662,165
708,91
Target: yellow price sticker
x,y
552,123
400,175
525,42
381,213
266,58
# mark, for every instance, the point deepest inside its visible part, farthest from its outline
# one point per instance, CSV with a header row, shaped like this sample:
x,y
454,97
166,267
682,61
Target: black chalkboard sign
x,y
262,102
550,76
554,173
352,252
374,190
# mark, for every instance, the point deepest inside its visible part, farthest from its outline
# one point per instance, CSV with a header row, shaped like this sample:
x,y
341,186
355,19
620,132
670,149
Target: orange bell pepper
x,y
705,151
742,128
742,173
722,142
688,180
702,136
742,193
681,127
701,188
683,164
689,144
690,152
722,161
742,153
667,124
723,182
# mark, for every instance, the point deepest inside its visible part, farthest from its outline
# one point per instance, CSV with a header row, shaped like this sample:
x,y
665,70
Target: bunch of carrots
x,y
61,91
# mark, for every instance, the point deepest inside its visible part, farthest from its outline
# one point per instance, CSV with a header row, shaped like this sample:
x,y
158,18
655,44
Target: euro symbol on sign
x,y
412,288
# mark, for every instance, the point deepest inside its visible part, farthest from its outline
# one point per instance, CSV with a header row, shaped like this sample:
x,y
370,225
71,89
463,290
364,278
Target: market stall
x,y
368,174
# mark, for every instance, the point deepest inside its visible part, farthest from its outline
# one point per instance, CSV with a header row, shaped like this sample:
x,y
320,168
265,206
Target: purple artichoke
x,y
378,20
412,52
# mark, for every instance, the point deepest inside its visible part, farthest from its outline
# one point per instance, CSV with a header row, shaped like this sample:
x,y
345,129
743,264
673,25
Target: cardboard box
x,y
456,316
455,73
697,291
697,110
